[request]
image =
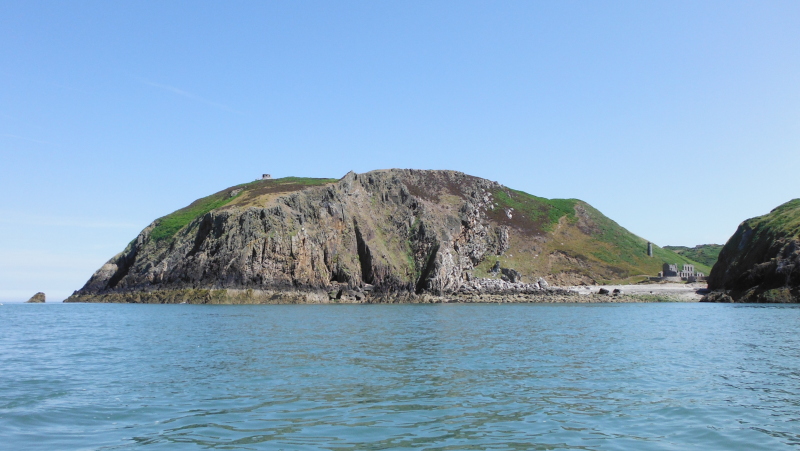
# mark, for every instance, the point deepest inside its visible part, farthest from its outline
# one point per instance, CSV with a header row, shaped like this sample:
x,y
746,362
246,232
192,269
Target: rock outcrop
x,y
373,237
37,298
761,261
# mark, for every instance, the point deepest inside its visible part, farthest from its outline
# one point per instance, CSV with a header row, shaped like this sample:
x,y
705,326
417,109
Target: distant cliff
x,y
379,235
761,261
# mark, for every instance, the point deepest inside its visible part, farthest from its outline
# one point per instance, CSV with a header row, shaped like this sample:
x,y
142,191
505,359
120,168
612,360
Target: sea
x,y
671,376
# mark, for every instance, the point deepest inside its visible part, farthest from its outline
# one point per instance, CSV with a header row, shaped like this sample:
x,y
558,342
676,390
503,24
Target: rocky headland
x,y
383,236
761,261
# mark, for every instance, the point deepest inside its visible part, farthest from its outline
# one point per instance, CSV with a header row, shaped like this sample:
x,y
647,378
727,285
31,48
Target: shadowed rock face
x,y
400,231
761,261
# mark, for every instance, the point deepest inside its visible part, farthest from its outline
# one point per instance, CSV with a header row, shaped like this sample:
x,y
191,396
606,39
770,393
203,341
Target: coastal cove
x,y
433,226
446,376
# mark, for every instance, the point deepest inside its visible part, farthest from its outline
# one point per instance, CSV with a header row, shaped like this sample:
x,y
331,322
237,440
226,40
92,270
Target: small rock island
x,y
37,298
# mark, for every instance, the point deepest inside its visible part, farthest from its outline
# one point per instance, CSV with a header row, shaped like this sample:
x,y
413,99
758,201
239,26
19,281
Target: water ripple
x,y
438,377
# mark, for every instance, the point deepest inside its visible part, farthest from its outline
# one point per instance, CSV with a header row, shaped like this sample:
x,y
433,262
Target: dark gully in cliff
x,y
383,236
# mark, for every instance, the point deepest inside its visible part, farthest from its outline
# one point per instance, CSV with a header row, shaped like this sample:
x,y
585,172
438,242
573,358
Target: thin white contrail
x,y
189,95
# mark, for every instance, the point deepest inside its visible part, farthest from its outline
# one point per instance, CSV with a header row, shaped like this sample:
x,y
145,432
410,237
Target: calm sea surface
x,y
362,377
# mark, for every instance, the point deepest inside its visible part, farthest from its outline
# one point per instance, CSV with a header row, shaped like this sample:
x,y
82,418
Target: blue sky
x,y
676,119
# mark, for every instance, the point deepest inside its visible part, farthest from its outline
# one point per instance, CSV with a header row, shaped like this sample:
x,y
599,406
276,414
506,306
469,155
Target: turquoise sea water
x,y
362,377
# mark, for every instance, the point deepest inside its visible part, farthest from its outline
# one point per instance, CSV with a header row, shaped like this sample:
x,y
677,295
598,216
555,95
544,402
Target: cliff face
x,y
761,261
390,231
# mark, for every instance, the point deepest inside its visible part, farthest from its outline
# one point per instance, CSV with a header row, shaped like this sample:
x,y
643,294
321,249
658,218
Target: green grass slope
x,y
783,221
706,254
570,237
167,226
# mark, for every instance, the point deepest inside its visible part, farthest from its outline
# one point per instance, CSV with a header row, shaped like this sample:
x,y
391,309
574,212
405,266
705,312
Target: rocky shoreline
x,y
476,291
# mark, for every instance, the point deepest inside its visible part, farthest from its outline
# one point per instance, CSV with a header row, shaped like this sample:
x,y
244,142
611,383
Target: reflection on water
x,y
347,377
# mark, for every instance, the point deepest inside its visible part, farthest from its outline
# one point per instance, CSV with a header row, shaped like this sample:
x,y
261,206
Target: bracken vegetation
x,y
556,238
541,212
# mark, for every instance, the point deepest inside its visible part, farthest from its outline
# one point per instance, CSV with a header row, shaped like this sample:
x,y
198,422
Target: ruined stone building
x,y
687,273
266,177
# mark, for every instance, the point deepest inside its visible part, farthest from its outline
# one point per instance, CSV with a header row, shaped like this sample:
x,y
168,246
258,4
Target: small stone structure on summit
x,y
670,272
266,177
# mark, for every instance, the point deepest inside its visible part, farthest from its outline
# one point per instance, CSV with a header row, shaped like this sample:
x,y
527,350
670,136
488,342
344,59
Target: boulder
x,y
37,298
511,275
603,291
616,291
351,296
717,296
542,283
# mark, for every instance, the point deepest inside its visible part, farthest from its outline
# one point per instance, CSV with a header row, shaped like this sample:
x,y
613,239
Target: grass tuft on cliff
x,y
783,220
167,226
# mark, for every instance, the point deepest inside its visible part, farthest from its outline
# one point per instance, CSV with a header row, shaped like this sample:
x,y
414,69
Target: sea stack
x,y
37,298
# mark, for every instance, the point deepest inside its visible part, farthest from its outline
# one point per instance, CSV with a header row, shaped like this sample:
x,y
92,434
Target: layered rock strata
x,y
382,236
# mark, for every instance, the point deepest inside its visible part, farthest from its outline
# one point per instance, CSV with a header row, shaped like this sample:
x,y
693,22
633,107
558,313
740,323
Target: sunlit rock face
x,y
393,231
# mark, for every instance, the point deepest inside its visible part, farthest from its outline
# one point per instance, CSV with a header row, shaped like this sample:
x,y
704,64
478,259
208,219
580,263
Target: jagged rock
x,y
494,286
502,239
37,298
512,275
542,283
717,296
496,267
351,295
